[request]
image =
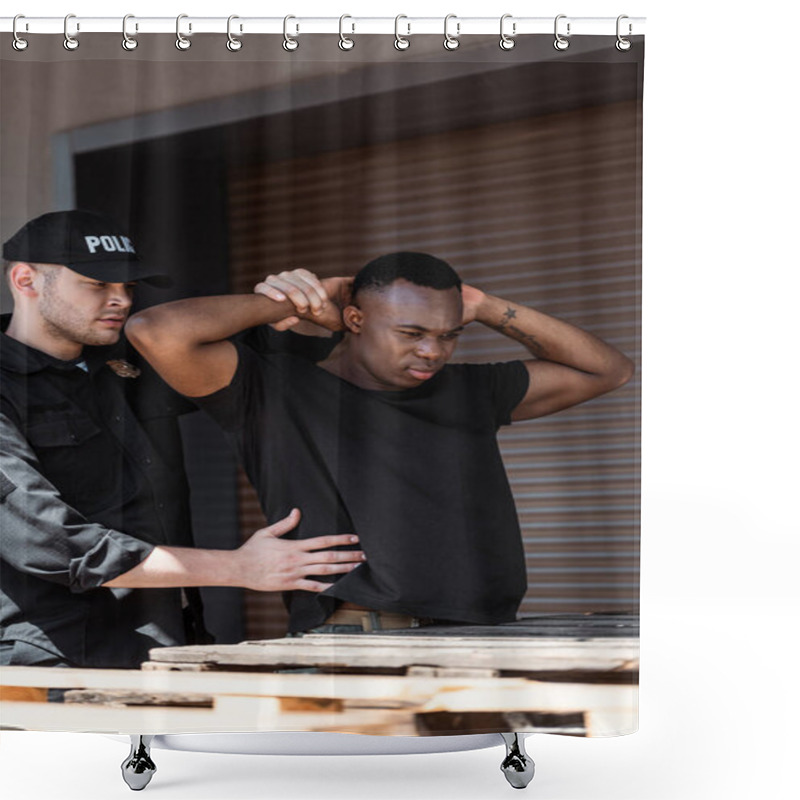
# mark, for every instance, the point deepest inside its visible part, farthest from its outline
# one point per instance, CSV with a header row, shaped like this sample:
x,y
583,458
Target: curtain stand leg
x,y
517,766
138,768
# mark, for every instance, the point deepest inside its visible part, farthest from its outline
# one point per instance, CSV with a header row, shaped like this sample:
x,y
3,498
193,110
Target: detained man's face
x,y
407,333
81,310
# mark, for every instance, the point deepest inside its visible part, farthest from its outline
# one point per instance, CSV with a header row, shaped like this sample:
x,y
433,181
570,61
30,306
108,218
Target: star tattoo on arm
x,y
514,332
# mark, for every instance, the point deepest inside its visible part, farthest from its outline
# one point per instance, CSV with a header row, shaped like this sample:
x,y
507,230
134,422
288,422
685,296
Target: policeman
x,y
97,540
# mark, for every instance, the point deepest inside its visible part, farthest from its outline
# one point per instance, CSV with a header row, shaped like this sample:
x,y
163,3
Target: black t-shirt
x,y
417,474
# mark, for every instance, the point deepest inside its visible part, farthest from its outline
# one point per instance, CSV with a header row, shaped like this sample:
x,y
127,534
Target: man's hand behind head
x,y
472,297
339,291
317,302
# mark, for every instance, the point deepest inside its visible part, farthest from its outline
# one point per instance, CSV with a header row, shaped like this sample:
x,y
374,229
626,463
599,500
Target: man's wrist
x,y
205,567
329,318
227,568
277,310
490,310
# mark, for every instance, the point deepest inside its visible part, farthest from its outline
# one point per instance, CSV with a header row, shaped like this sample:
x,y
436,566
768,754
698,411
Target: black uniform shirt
x,y
87,454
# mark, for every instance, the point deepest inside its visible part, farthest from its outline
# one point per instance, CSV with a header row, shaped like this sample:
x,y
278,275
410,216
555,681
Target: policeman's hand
x,y
315,301
272,564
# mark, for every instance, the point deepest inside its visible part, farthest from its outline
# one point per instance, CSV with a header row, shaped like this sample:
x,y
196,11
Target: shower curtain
x,y
520,168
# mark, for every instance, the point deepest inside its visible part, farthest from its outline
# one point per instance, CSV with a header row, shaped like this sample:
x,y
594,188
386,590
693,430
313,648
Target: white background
x,y
720,603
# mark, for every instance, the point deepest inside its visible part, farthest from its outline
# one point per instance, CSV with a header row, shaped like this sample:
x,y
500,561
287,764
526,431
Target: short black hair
x,y
420,269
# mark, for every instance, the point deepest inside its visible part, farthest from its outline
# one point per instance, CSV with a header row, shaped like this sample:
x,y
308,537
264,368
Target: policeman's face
x,y
404,334
81,310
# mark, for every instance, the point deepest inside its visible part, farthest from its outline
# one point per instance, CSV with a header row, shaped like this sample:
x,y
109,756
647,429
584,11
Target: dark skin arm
x,y
185,340
306,291
571,365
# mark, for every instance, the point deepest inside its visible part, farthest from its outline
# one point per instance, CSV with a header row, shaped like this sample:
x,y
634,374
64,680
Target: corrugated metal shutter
x,y
544,211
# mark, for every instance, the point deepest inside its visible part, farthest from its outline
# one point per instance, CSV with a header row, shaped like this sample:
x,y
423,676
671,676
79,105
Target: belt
x,y
375,620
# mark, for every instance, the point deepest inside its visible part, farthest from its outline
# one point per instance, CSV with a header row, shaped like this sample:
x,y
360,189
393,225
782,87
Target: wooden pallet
x,y
420,682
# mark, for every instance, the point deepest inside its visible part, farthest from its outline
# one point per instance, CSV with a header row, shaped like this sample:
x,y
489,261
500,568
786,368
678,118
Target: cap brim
x,y
122,272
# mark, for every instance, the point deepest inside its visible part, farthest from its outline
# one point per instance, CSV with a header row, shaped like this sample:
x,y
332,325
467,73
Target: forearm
x,y
187,341
204,320
552,339
265,562
167,567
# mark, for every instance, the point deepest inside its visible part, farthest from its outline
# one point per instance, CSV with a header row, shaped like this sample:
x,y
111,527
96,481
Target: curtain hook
x,y
233,44
451,41
128,41
561,42
400,42
344,42
290,43
182,43
507,42
18,43
623,44
70,42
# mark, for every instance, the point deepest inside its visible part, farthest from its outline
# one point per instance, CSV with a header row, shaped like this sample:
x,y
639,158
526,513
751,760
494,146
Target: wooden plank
x,y
121,698
442,672
583,626
446,722
559,698
352,687
22,694
369,651
315,704
79,718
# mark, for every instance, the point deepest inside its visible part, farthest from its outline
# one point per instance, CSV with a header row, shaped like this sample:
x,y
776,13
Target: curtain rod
x,y
347,25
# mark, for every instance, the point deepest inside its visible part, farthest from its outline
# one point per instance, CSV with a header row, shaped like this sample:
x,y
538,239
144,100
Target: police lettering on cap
x,y
110,244
88,243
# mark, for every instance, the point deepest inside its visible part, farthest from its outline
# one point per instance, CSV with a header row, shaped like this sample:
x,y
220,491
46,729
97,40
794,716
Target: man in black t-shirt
x,y
383,437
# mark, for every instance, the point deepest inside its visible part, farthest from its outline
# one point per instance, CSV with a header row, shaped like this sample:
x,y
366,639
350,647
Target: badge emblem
x,y
124,368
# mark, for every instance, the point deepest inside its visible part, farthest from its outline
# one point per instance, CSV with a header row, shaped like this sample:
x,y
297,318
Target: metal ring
x,y
561,42
400,42
506,41
623,44
233,44
290,43
181,42
128,42
451,41
70,42
18,43
344,42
